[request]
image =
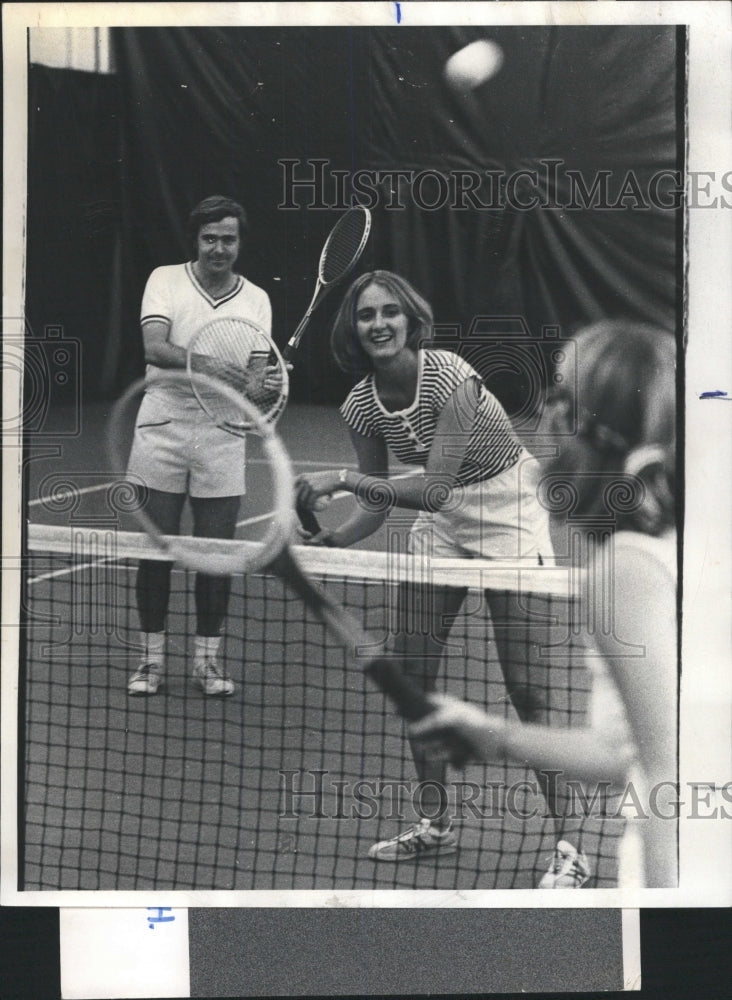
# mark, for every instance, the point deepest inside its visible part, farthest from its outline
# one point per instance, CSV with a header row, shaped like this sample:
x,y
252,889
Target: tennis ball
x,y
473,65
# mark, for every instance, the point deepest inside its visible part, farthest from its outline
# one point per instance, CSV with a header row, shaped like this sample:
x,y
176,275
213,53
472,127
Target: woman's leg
x,y
421,658
420,655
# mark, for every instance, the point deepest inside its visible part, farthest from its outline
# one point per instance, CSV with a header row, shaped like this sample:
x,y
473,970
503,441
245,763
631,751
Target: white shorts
x,y
177,448
500,518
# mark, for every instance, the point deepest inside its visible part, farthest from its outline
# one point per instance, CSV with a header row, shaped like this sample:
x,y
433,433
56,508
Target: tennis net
x,y
287,783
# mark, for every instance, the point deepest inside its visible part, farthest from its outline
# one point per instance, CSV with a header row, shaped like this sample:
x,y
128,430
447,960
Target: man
x,y
177,450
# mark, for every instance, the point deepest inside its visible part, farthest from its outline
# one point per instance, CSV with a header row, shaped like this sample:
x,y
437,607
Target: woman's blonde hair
x,y
347,351
625,407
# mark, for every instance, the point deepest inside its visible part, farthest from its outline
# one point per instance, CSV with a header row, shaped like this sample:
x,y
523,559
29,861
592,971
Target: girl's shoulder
x,y
362,387
360,395
653,551
445,362
439,358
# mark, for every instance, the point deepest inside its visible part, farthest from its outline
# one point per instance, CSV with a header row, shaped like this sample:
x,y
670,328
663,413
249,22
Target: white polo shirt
x,y
174,296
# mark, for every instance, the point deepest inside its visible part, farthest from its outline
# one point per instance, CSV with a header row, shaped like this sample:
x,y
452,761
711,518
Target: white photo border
x,y
706,692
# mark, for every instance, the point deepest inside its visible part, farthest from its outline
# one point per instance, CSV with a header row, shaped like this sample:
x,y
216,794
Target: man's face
x,y
218,245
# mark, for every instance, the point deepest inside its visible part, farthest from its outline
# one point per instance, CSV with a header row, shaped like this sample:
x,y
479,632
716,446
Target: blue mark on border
x,y
398,13
714,394
160,918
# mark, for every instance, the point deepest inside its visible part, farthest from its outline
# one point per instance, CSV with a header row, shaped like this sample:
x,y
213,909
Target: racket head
x,y
344,245
236,351
210,555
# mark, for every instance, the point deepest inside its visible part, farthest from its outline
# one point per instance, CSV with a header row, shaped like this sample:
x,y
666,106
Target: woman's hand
x,y
311,487
456,731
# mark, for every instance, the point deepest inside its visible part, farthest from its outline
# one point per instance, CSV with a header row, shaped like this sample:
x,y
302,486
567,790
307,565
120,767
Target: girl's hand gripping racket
x,y
340,253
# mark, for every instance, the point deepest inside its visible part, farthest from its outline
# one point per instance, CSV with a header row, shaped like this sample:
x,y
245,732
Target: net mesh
x,y
344,245
287,783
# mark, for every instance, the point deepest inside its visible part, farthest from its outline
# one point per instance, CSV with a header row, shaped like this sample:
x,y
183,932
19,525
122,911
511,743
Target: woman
x,y
623,392
475,493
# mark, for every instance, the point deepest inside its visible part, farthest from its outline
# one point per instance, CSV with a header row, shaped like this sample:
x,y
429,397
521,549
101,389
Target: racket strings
x,y
216,555
344,245
239,354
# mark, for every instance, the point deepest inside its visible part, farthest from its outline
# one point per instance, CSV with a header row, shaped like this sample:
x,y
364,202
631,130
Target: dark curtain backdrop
x,y
208,110
74,238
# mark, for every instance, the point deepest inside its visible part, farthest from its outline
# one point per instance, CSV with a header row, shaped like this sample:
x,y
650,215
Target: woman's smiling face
x,y
381,323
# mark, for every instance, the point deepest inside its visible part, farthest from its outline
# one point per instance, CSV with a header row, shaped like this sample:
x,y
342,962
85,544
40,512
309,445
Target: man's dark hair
x,y
214,209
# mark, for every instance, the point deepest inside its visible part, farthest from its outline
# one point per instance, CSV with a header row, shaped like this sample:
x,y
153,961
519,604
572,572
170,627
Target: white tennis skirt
x,y
177,448
500,518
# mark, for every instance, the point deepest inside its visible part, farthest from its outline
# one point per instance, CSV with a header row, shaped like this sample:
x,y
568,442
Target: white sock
x,y
205,647
153,647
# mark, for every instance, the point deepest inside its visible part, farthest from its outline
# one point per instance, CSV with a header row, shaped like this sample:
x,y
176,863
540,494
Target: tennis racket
x,y
238,352
241,354
340,253
308,520
235,414
274,552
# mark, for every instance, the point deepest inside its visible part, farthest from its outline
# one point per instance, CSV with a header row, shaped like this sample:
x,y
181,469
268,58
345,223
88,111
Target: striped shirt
x,y
492,448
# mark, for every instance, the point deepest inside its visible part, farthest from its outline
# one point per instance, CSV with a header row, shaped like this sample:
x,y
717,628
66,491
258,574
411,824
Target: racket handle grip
x,y
409,700
412,703
308,520
288,353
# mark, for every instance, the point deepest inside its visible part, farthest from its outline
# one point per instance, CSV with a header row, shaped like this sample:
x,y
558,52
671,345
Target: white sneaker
x,y
568,869
211,679
422,838
146,679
